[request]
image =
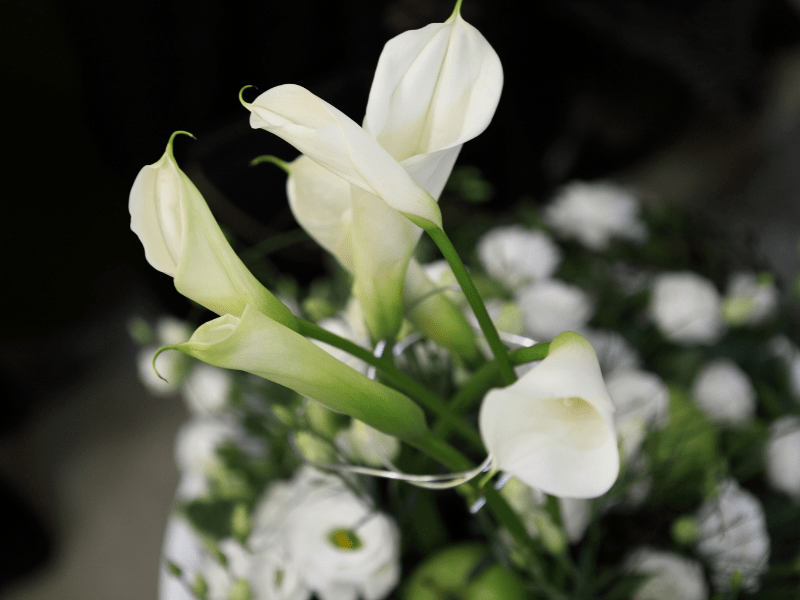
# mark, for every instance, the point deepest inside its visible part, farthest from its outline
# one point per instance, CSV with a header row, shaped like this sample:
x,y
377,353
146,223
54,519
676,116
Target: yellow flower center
x,y
346,539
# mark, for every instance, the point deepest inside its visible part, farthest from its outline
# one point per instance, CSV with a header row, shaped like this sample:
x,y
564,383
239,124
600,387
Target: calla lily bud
x,y
182,239
332,139
257,344
553,429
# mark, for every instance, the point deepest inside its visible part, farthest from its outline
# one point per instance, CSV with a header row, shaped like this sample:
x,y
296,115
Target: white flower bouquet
x,y
580,413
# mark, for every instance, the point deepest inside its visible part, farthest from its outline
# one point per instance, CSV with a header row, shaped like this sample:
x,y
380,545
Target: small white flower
x,y
552,306
220,578
196,447
367,445
338,546
273,577
783,456
641,401
593,213
516,256
724,392
687,308
672,576
206,389
750,299
613,351
733,537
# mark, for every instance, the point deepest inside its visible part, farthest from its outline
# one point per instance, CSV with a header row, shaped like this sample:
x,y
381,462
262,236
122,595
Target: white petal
x,y
330,138
434,88
553,429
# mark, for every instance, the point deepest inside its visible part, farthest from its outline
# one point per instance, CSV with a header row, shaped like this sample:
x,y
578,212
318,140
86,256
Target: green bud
x,y
684,531
314,448
140,331
174,569
200,587
240,522
241,590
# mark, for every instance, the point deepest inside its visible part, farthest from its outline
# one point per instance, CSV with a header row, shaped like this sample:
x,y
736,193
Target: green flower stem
x,y
442,452
411,387
447,249
483,379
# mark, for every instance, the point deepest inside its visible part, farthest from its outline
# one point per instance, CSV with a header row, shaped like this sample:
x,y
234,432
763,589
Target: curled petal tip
x,y
241,99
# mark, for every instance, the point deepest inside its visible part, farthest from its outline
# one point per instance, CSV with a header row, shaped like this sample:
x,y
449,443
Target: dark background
x,y
695,101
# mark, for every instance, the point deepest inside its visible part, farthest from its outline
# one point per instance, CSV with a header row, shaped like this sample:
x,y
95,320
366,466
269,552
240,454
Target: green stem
x,y
447,249
411,387
484,379
442,452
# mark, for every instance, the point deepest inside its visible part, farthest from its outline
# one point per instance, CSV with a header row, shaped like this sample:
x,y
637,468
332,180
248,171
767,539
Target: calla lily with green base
x,y
434,89
182,239
553,428
259,345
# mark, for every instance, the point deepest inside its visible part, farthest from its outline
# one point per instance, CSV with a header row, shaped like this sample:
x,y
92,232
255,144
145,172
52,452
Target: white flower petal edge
x,y
332,139
434,89
553,429
182,239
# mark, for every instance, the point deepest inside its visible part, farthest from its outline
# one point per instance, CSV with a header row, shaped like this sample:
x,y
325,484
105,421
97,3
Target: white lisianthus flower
x,y
182,239
641,401
222,578
733,538
750,299
613,351
670,576
516,256
183,548
553,429
362,443
724,392
273,577
206,389
783,456
593,213
552,306
196,447
337,545
687,308
170,330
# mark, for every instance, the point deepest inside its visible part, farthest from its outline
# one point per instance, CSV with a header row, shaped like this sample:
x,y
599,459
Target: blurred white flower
x,y
183,548
338,546
552,306
613,351
196,447
733,537
221,578
364,444
786,350
750,299
641,401
516,256
553,428
170,331
530,502
687,308
273,577
206,388
783,456
671,576
724,392
593,213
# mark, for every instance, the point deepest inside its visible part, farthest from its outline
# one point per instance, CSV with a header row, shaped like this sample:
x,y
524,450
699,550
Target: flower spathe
x,y
553,429
182,239
256,344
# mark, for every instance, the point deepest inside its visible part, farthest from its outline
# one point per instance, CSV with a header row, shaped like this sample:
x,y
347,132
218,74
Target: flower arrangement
x,y
580,413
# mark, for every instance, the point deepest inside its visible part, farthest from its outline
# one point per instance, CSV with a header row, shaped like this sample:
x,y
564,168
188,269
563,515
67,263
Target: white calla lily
x,y
553,429
182,239
256,344
434,89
